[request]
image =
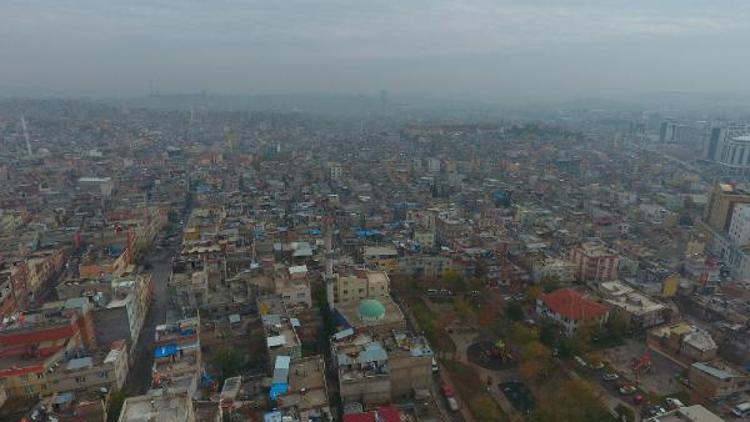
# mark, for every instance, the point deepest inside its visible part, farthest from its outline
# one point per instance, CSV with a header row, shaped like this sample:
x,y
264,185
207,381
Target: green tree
x,y
454,281
549,283
521,335
625,413
548,334
116,400
616,328
227,362
536,361
514,311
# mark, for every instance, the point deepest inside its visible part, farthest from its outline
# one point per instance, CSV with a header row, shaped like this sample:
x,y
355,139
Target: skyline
x,y
500,51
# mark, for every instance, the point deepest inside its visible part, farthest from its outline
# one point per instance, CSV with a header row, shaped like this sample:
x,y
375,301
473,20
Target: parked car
x,y
627,389
673,403
452,403
610,376
580,361
446,390
637,399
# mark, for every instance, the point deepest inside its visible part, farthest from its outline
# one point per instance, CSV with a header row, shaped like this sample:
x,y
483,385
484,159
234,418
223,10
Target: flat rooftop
x,y
157,406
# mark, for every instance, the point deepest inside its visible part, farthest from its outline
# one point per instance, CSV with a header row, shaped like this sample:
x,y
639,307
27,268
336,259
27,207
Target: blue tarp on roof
x,y
165,351
366,233
278,390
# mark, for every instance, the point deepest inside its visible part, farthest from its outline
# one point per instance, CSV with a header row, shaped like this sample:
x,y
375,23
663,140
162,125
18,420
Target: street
x,y
139,376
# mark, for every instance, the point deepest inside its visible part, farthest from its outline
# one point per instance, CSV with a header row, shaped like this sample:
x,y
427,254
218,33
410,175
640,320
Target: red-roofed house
x,y
571,309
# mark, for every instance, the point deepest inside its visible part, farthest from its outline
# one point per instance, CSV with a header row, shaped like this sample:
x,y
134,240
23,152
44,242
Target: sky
x,y
489,50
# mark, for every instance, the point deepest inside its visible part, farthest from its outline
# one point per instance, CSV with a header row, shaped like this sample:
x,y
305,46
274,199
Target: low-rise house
x,y
684,340
642,311
717,379
381,258
571,310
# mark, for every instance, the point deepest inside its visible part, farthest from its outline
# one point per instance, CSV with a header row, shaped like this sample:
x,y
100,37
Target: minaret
x,y
26,136
329,278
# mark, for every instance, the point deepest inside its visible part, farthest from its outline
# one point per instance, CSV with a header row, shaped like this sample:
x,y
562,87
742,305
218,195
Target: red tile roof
x,y
573,305
360,417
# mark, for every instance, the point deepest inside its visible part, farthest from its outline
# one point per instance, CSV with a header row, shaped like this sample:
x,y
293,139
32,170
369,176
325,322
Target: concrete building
x,y
363,371
694,413
373,315
571,310
360,285
381,258
642,311
739,226
735,154
717,144
667,132
684,341
425,238
335,171
72,371
410,360
177,351
428,267
717,379
722,203
594,262
99,186
280,330
159,405
557,269
307,396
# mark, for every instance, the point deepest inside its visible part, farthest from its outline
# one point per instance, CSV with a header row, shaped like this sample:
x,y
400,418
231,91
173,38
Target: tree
x,y
514,311
548,334
625,413
227,362
550,283
488,314
536,361
454,281
571,400
521,335
116,400
616,327
464,311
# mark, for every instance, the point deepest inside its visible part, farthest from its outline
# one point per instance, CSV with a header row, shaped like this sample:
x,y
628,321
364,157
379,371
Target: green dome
x,y
371,310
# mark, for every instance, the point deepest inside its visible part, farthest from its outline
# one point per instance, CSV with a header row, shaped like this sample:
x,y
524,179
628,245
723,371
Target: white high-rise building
x,y
739,228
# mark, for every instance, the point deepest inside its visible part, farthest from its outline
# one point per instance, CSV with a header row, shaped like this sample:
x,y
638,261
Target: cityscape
x,y
417,213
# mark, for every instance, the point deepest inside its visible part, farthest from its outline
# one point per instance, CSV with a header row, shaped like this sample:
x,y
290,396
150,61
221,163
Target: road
x,y
139,376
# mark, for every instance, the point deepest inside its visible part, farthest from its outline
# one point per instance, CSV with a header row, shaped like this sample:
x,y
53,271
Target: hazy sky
x,y
486,49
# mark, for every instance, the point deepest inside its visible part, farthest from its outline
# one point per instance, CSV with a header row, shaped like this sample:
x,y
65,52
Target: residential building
x,y
642,311
594,262
694,413
177,351
716,379
381,258
159,405
363,371
684,341
361,284
571,310
721,206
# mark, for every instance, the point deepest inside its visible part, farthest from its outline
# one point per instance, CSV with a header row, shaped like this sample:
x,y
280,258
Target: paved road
x,y
139,376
